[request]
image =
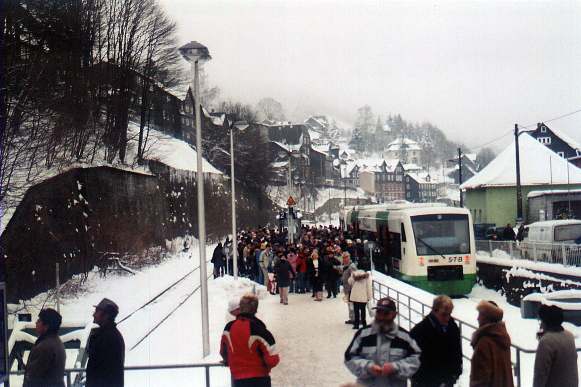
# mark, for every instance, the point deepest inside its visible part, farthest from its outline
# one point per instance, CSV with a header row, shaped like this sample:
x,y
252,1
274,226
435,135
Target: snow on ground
x,y
522,331
169,150
500,257
311,337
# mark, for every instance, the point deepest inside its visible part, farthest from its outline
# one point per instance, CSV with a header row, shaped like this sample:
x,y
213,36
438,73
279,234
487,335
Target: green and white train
x,y
428,245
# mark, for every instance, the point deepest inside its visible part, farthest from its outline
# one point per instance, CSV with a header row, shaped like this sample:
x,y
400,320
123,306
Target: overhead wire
x,y
524,127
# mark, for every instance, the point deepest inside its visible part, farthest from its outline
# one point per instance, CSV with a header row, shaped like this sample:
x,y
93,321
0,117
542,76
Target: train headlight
x,y
421,261
467,259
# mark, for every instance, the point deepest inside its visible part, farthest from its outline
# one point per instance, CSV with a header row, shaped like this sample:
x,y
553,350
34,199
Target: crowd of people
x,y
380,354
323,259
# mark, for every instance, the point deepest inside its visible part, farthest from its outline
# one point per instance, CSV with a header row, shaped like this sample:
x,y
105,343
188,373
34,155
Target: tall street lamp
x,y
195,53
517,133
241,126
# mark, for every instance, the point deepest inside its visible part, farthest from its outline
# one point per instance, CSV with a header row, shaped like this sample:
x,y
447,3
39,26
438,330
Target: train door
x,y
384,245
395,250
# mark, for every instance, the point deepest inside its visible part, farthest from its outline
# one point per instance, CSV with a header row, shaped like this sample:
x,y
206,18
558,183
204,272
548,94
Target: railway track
x,y
167,316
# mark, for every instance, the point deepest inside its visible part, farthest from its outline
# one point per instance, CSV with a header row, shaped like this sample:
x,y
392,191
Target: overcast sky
x,y
472,68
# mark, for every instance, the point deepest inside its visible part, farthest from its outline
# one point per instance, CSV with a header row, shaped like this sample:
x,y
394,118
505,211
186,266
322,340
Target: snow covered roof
x,y
571,142
279,164
534,194
418,178
539,166
405,143
412,167
171,151
314,135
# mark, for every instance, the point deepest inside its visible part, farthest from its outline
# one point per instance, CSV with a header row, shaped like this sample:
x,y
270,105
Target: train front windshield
x,y
440,234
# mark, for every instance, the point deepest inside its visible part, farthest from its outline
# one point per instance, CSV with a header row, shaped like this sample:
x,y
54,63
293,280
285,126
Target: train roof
x,y
399,205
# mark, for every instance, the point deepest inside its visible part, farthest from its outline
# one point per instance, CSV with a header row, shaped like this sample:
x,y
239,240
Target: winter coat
x,y
301,263
284,272
218,256
556,360
264,259
491,365
106,351
508,234
361,290
292,259
331,271
46,363
370,346
441,358
347,271
248,348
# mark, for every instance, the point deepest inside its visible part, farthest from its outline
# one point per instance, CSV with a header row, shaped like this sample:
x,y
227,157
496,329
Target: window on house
x,y
562,154
543,129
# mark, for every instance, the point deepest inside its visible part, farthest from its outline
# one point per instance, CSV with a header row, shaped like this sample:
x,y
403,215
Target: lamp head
x,y
194,51
241,125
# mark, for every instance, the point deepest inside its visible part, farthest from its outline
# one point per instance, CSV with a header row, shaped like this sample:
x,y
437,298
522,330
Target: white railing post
x,y
490,247
535,251
510,249
564,254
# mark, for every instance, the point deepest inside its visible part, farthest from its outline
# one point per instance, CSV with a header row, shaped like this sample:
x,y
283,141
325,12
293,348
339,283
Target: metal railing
x,y
412,311
563,253
71,373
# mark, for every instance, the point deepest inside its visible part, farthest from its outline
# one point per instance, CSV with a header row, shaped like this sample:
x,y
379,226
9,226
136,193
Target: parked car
x,y
495,233
481,230
547,240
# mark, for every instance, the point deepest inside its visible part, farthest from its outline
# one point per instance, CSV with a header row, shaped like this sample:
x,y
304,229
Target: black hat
x,y
109,307
50,318
551,315
386,304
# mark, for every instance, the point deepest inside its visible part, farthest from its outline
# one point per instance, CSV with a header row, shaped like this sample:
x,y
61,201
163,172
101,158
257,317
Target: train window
x,y
403,238
441,234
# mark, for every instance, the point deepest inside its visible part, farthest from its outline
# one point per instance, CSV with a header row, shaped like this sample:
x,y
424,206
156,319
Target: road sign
x,y
291,202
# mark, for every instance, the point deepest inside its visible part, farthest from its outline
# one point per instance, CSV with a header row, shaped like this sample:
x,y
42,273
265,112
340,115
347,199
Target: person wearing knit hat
x,y
233,309
491,366
46,361
556,358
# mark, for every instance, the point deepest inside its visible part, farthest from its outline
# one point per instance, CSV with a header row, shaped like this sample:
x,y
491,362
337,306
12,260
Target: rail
x,y
409,307
71,372
564,253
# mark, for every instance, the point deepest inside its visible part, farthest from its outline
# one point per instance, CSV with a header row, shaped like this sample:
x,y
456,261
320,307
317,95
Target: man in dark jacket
x,y
248,348
219,260
106,348
284,271
46,362
438,337
508,233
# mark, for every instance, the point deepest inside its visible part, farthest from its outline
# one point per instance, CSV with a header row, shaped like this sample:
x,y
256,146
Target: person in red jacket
x,y
248,348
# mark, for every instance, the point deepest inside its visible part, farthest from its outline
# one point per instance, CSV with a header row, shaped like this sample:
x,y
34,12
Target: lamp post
x,y
195,53
241,126
517,133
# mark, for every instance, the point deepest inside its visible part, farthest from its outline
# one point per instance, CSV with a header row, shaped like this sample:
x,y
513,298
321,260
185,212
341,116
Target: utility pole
x,y
518,187
460,176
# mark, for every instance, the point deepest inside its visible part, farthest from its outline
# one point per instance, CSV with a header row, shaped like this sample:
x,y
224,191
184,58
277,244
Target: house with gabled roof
x,y
558,142
491,193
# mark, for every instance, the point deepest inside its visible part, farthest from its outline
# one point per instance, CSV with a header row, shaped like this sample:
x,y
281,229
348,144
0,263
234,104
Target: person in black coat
x,y
332,275
438,337
284,272
508,233
219,260
106,348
